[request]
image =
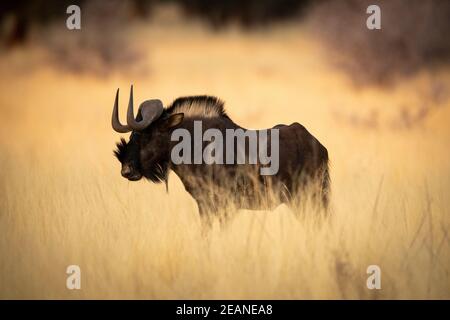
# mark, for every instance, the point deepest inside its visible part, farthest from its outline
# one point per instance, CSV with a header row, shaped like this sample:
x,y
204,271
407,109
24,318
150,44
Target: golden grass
x,y
63,201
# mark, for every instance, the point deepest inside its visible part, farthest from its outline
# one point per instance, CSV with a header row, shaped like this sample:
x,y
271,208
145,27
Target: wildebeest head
x,y
147,152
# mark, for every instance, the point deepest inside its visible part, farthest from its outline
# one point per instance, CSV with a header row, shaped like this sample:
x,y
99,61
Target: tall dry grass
x,y
63,202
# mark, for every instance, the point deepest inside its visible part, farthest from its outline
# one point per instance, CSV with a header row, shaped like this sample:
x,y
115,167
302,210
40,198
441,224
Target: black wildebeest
x,y
303,161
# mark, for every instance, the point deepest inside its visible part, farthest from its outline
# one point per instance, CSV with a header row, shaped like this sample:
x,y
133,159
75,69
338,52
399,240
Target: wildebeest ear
x,y
174,120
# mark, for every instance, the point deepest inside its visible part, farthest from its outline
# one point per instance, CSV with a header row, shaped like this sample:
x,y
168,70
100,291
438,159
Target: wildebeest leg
x,y
308,203
309,192
226,216
207,213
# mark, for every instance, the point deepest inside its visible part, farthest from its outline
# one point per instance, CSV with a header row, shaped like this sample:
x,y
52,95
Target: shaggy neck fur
x,y
198,106
193,107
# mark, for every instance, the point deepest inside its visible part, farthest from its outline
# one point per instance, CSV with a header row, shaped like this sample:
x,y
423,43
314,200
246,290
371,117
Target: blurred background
x,y
413,37
377,99
137,38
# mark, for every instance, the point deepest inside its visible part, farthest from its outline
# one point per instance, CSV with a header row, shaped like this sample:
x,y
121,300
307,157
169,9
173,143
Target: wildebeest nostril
x,y
126,171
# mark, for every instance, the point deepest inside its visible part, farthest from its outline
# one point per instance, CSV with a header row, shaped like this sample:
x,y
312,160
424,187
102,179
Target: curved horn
x,y
150,110
117,126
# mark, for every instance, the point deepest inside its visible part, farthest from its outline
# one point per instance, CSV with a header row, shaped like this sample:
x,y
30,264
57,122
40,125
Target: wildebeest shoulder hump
x,y
198,106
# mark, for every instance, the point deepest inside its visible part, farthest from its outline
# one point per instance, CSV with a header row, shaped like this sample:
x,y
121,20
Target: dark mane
x,y
121,149
203,106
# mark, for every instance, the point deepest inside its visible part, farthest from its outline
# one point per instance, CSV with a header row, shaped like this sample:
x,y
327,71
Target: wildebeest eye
x,y
121,149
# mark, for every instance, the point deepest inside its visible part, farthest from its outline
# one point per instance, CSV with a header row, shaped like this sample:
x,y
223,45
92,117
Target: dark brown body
x,y
303,167
303,160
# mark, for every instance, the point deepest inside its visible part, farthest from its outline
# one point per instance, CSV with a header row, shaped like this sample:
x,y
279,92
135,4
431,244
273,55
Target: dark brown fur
x,y
303,162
